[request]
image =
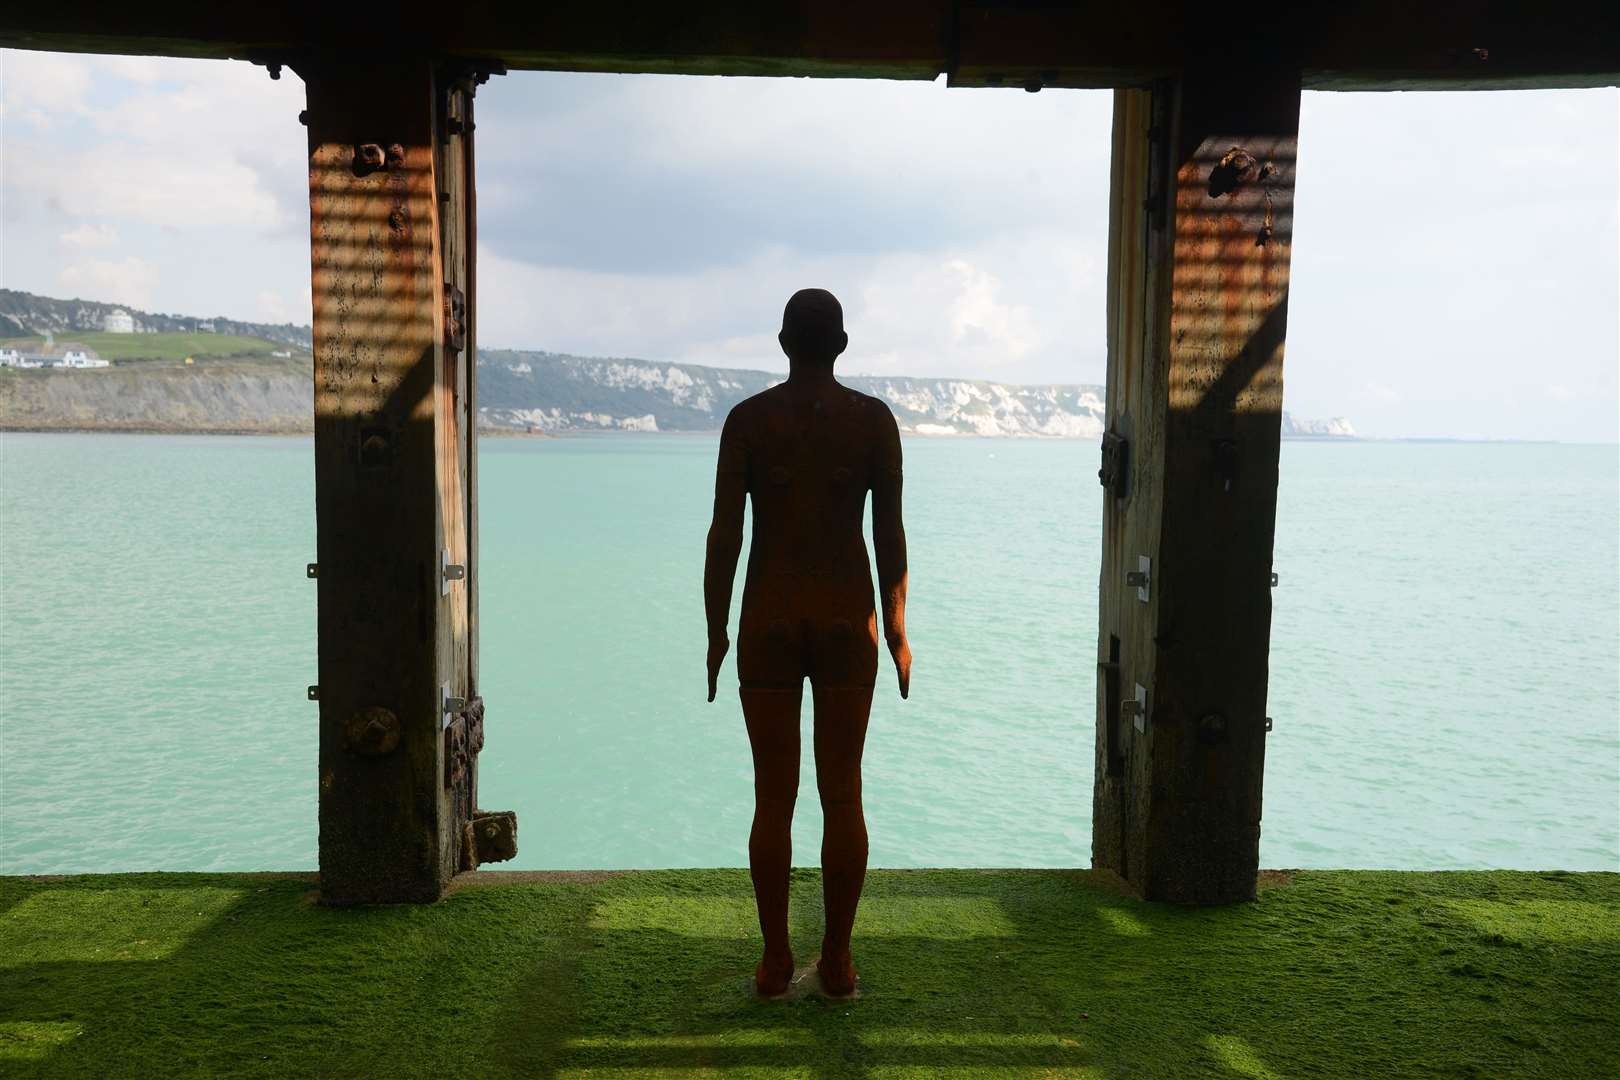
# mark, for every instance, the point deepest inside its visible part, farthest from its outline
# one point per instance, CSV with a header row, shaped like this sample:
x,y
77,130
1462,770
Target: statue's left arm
x,y
725,541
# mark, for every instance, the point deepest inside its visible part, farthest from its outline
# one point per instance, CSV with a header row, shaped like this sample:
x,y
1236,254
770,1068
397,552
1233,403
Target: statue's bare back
x,y
806,453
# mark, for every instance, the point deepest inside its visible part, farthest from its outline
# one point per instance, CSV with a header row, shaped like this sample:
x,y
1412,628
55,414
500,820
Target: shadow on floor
x,y
1038,973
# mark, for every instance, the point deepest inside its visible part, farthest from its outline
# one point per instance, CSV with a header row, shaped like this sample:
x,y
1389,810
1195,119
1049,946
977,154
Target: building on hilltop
x,y
118,321
10,358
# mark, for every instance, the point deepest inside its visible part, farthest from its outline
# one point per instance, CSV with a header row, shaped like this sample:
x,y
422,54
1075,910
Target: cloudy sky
x,y
1456,269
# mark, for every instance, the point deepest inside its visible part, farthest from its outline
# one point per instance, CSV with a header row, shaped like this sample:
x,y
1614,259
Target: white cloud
x,y
43,86
199,192
88,235
907,314
273,307
979,320
130,280
187,144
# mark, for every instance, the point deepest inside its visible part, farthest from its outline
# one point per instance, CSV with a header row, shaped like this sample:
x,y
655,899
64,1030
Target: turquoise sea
x,y
1445,658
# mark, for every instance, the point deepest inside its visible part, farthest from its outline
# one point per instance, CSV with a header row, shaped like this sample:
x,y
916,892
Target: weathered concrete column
x,y
1200,236
390,262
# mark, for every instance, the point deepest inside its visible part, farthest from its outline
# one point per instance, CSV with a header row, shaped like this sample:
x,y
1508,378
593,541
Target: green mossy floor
x,y
966,973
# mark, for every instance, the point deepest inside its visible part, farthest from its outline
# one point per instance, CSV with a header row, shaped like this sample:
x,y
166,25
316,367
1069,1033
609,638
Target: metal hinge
x,y
315,693
1136,707
312,570
1141,577
449,707
455,318
449,571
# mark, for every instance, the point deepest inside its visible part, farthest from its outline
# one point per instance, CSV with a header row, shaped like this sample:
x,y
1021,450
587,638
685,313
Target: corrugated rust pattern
x,y
1234,231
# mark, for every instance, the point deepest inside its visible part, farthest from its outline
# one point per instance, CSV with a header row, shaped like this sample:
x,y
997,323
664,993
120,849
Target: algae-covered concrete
x,y
964,973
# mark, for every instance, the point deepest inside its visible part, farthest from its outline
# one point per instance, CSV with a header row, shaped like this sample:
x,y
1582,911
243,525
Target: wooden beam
x,y
1199,259
388,204
1350,45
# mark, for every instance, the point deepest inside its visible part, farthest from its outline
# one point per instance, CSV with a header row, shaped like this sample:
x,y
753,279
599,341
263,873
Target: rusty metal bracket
x,y
455,319
491,836
476,71
463,739
1115,473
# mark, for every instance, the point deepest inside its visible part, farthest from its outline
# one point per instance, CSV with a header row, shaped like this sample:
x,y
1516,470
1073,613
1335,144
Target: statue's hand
x,y
900,649
717,655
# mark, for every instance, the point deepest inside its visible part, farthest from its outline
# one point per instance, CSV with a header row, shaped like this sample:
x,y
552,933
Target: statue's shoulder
x,y
874,410
752,411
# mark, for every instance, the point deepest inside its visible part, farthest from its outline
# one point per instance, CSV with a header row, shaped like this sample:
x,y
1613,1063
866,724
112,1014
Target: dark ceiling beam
x,y
1349,45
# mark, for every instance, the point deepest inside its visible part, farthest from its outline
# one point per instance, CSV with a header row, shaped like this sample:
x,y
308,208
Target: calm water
x,y
1445,657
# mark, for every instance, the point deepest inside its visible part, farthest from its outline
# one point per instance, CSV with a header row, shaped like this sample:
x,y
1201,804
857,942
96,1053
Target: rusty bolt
x,y
1236,167
396,156
368,158
396,219
371,732
376,449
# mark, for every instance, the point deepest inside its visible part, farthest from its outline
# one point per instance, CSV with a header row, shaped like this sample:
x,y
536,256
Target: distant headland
x,y
177,373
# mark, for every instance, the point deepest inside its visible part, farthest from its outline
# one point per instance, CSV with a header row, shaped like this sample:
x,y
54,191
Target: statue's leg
x,y
840,737
772,715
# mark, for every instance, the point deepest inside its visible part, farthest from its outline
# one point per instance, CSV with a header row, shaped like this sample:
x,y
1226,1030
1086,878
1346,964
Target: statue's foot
x,y
774,974
837,973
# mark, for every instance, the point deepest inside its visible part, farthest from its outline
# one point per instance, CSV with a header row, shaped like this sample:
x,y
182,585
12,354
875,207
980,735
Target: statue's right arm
x,y
725,541
889,540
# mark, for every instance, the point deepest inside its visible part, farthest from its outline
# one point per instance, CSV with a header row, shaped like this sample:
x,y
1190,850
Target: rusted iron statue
x,y
807,451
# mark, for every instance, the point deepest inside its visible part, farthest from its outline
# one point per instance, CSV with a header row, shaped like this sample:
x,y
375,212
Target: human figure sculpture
x,y
807,451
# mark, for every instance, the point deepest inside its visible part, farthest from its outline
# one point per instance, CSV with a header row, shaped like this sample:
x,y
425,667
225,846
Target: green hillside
x,y
172,347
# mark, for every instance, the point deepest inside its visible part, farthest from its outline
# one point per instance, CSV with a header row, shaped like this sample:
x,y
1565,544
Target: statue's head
x,y
813,327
